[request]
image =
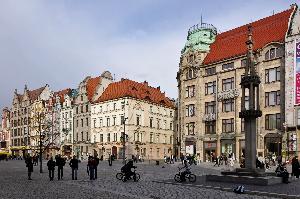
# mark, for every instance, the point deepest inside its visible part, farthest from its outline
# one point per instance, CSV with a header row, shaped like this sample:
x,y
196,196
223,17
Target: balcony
x,y
228,94
209,117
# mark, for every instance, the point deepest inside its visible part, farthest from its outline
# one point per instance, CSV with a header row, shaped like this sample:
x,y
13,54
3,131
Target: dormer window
x,y
273,53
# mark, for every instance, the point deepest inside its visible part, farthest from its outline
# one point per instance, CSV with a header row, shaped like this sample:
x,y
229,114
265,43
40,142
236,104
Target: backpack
x,y
239,189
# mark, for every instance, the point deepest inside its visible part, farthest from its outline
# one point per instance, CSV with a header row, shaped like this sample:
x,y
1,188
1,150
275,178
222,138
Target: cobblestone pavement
x,y
14,183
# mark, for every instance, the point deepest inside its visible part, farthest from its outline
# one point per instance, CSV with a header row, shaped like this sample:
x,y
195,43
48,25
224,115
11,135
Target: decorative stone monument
x,y
251,82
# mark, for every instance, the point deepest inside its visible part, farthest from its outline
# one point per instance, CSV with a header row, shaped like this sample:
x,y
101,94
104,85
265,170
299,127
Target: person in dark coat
x,y
29,165
74,165
281,171
91,167
51,168
295,167
97,160
60,163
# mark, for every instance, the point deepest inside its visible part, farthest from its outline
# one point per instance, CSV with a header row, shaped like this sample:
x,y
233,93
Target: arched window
x,y
273,53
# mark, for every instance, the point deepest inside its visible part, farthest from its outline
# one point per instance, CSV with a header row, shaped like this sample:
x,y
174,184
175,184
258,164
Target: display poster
x,y
297,73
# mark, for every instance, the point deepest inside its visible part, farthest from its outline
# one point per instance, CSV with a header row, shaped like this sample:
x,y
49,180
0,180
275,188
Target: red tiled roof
x,y
34,94
129,88
232,43
61,94
91,87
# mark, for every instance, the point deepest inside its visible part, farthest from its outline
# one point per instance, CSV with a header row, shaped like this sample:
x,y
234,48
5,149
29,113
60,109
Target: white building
x,y
149,121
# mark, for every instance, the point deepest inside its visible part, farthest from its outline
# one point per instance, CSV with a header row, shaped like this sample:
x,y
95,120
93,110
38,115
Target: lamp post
x,y
124,141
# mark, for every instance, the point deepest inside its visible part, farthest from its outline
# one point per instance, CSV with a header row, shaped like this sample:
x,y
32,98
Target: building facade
x,y
210,71
5,130
292,106
145,113
88,90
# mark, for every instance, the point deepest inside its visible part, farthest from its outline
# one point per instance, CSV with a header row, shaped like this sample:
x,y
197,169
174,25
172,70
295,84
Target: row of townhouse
x,y
90,120
209,76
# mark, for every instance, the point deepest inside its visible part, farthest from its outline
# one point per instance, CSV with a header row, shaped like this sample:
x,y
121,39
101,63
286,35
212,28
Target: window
x,y
81,122
158,123
122,119
151,122
272,74
190,127
108,137
298,117
115,137
273,53
210,71
190,74
87,121
227,125
81,98
157,138
115,105
190,91
190,110
171,126
228,84
228,66
87,136
171,139
228,105
87,108
100,109
243,62
82,136
101,137
151,138
81,109
138,117
210,127
171,113
273,121
151,109
123,105
210,88
94,121
114,120
272,98
101,122
242,125
210,107
108,121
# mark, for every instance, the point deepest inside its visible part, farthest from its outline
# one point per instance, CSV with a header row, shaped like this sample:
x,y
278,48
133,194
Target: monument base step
x,y
253,180
249,172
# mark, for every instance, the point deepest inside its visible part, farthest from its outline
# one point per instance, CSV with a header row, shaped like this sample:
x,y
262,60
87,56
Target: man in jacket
x,y
295,167
29,165
74,165
96,165
51,168
60,163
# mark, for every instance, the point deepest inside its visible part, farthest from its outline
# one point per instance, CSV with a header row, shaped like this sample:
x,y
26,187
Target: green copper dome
x,y
200,37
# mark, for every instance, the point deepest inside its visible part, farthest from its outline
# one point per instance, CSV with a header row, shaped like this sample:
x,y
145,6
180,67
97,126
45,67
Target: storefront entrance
x,y
227,147
273,144
209,151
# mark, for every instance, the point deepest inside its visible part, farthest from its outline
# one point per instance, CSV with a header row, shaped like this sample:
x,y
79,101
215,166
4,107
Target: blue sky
x,y
60,42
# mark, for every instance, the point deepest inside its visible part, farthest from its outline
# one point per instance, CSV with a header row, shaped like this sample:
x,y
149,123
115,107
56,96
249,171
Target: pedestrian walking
x,y
74,165
295,167
91,167
97,160
29,165
60,163
110,160
51,168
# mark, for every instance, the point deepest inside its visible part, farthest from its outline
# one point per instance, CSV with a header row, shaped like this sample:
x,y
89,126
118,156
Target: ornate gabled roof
x,y
34,94
232,43
61,94
129,88
91,86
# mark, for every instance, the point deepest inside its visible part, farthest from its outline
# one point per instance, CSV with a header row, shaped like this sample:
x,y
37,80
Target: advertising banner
x,y
297,73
